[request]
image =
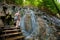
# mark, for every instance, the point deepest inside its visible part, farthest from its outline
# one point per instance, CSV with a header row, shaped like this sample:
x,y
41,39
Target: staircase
x,y
12,33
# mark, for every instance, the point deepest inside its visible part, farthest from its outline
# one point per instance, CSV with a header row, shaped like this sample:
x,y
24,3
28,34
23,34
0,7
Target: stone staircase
x,y
12,33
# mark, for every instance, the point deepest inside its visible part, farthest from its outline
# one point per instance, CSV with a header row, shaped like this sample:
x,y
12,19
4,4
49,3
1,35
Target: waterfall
x,y
32,26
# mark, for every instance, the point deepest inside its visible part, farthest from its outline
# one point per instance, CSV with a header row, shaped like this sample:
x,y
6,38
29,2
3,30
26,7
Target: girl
x,y
17,18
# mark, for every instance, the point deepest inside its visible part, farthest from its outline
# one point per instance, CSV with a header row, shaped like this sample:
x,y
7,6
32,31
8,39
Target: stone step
x,y
11,30
13,27
10,34
15,38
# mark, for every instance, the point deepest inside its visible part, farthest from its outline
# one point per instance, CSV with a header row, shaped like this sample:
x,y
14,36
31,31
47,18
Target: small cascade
x,y
29,24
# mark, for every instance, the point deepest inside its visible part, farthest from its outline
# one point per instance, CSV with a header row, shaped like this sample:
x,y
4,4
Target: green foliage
x,y
19,2
57,3
52,5
0,0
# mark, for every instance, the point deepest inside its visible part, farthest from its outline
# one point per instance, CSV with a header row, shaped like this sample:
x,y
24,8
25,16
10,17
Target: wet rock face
x,y
53,23
46,30
50,19
56,21
42,29
41,24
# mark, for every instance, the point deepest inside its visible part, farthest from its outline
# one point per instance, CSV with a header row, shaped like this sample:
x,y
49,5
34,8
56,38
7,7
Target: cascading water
x,y
31,28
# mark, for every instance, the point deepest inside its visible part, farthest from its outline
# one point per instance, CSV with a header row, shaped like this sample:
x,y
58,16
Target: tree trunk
x,y
56,6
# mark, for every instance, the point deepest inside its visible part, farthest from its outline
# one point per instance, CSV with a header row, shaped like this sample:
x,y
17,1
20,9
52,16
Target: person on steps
x,y
17,18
